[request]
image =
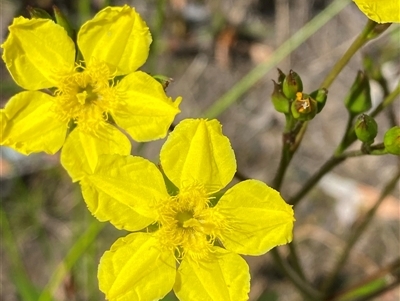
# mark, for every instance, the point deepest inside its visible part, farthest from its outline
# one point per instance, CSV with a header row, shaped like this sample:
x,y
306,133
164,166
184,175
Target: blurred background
x,y
50,242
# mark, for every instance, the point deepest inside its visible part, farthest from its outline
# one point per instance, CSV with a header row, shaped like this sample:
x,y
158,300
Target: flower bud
x,y
62,20
392,140
292,84
320,97
366,128
38,13
359,98
304,107
279,100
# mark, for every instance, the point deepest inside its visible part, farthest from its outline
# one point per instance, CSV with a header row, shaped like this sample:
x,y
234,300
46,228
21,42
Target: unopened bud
x,y
279,100
292,84
320,97
392,140
366,128
38,13
62,20
304,107
359,98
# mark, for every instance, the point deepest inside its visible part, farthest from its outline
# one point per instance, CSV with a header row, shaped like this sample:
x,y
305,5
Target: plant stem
x,y
355,46
327,285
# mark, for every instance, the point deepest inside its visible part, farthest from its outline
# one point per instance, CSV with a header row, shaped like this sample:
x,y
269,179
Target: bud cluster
x,y
288,97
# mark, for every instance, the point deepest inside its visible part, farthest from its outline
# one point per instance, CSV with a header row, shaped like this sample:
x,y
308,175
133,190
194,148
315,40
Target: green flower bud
x,y
279,100
392,140
359,98
163,80
38,13
304,107
62,20
292,84
320,96
366,128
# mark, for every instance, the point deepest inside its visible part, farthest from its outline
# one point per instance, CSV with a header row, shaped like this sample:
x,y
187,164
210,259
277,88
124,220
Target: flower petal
x,y
224,277
257,217
30,124
136,269
125,191
145,112
117,36
197,152
387,11
81,150
37,52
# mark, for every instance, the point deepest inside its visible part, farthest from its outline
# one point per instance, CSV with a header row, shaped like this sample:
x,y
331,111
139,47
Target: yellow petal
x,y
124,190
136,268
117,36
257,218
197,152
380,11
30,125
37,52
144,110
224,277
81,150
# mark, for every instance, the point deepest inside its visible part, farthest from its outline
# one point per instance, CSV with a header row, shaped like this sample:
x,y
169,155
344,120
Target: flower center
x,y
188,225
86,96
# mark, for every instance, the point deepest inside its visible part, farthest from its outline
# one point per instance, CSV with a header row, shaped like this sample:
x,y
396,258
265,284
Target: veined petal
x,y
117,36
37,52
136,269
144,110
387,11
124,190
224,277
197,152
81,150
257,218
30,125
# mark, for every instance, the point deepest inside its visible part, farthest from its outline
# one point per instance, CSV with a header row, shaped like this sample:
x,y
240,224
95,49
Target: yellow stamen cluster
x,y
188,225
86,96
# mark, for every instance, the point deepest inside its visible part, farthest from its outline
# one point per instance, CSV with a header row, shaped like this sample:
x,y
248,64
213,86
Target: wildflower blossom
x,y
185,229
380,11
40,55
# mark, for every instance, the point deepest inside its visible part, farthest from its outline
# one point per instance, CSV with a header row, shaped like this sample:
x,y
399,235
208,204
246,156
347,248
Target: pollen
x,y
187,223
86,96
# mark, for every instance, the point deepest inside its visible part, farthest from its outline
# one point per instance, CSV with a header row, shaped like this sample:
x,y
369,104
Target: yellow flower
x,y
40,55
380,11
186,228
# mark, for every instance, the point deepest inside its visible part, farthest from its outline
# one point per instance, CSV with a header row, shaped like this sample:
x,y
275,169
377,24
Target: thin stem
x,y
355,46
387,101
327,285
346,137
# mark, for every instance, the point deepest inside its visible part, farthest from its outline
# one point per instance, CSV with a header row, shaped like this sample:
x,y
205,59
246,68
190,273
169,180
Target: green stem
x,y
387,101
327,285
347,137
355,46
